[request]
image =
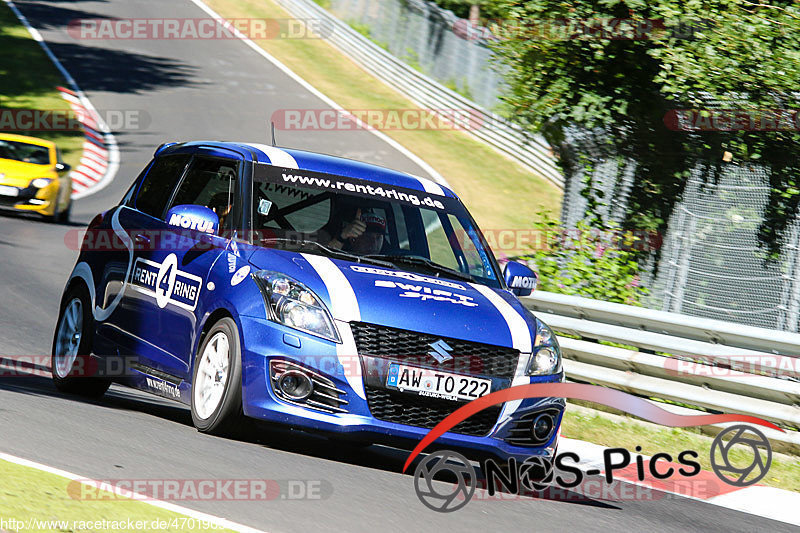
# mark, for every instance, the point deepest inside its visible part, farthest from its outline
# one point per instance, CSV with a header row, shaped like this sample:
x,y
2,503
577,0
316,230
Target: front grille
x,y
24,195
425,412
411,347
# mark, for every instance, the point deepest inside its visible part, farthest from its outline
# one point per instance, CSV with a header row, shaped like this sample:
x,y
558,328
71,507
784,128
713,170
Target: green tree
x,y
585,261
489,9
618,71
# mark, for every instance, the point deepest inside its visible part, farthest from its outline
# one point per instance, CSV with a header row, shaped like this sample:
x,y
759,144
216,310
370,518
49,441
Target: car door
x,y
174,269
126,230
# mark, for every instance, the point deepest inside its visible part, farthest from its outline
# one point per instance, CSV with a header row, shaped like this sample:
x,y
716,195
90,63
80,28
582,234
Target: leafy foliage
x,y
586,262
489,9
574,65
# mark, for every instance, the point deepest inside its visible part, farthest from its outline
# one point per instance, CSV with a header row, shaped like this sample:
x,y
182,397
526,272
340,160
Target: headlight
x,y
41,183
292,304
546,357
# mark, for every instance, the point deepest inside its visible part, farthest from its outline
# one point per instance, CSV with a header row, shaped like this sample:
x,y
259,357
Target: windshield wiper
x,y
423,262
338,254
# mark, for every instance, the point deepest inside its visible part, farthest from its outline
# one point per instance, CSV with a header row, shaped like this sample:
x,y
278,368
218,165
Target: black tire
x,y
74,380
63,217
227,417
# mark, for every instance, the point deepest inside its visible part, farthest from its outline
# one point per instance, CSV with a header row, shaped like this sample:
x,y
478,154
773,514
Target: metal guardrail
x,y
692,361
642,371
529,150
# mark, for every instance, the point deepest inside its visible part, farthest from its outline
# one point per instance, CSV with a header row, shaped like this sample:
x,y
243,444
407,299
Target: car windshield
x,y
367,221
24,152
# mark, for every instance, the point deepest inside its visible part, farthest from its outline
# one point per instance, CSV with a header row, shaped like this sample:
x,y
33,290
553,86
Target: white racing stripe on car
x,y
520,339
278,157
344,307
520,334
82,270
430,186
347,353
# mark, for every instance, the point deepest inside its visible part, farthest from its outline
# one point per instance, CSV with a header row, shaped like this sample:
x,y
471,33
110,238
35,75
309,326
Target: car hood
x,y
20,174
360,292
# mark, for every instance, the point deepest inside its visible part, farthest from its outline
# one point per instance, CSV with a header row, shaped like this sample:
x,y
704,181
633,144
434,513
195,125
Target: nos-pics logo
x,y
446,481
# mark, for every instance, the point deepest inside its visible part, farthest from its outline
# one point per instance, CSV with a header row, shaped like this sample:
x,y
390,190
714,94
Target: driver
x,y
221,204
363,235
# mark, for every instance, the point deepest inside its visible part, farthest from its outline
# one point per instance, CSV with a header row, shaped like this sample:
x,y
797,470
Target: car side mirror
x,y
63,167
194,217
520,278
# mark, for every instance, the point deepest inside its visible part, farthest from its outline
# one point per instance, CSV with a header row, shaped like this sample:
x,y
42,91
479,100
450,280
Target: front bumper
x,y
30,199
261,337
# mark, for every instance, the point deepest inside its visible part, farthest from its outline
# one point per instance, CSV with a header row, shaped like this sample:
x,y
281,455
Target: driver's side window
x,y
210,182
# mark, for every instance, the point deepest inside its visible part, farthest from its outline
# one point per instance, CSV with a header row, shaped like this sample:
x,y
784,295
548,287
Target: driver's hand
x,y
354,228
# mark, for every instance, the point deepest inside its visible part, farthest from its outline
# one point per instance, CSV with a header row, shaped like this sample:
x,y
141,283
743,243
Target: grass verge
x,y
619,431
40,501
484,179
28,80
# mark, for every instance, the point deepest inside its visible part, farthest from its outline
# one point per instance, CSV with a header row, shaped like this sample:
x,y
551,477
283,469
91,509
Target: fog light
x,y
296,385
542,427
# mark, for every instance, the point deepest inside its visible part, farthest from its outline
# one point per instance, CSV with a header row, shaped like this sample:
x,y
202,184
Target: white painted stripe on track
x,y
92,156
313,90
93,148
769,502
79,178
94,165
197,515
113,150
96,176
759,500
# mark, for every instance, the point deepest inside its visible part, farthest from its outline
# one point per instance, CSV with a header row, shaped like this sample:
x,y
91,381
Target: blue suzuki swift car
x,y
306,290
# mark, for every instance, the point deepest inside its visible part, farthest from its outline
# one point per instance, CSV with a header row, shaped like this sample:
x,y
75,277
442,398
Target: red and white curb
x,y
100,160
759,500
191,513
94,165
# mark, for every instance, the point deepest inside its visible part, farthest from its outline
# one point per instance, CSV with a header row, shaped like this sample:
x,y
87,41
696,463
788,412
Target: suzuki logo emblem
x,y
441,351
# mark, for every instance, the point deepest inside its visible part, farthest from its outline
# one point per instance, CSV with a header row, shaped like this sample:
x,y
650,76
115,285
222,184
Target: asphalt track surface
x,y
223,90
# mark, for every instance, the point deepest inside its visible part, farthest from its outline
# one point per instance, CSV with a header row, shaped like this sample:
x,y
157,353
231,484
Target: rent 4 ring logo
x,y
562,476
166,283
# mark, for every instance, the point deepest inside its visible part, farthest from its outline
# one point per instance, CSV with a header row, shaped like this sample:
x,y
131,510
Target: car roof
x,y
312,161
25,139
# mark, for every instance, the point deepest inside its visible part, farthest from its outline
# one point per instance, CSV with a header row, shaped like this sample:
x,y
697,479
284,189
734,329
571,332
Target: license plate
x,y
435,384
8,191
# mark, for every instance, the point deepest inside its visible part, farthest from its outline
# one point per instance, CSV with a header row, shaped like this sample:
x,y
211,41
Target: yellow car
x,y
33,177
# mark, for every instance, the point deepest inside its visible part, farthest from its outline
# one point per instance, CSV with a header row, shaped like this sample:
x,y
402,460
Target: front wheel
x,y
217,380
72,344
63,217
